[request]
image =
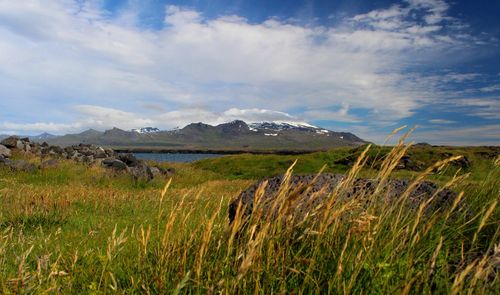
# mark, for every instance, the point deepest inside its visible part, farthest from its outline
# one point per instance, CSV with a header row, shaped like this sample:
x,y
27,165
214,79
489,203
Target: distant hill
x,y
235,135
42,137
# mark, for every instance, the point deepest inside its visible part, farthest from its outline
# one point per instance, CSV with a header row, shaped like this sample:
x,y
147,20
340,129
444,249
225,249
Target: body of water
x,y
175,157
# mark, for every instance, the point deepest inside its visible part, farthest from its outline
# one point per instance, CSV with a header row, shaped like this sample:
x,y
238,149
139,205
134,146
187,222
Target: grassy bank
x,y
75,229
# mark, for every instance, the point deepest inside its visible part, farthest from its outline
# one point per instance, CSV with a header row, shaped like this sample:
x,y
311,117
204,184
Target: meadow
x,y
80,229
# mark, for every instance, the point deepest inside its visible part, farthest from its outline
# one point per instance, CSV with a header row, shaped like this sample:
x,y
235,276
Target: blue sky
x,y
361,66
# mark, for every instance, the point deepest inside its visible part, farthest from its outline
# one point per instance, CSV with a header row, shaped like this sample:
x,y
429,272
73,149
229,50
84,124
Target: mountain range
x,y
233,136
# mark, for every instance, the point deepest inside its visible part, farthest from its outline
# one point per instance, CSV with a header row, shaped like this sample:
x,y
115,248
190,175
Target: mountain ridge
x,y
230,136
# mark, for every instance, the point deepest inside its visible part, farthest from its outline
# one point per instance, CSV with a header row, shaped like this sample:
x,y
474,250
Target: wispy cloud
x,y
441,121
475,136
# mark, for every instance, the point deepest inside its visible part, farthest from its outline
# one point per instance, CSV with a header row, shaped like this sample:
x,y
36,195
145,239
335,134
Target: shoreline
x,y
215,151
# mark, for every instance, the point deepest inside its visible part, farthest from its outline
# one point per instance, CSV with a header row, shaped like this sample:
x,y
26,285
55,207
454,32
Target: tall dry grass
x,y
187,245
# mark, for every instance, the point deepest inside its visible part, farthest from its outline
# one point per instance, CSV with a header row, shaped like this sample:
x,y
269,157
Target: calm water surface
x,y
175,157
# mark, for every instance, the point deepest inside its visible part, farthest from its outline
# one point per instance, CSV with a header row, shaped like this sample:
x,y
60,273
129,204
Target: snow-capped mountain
x,y
280,126
235,135
146,130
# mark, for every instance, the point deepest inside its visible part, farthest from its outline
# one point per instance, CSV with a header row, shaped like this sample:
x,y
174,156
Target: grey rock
x,y
4,151
100,153
10,142
89,159
4,161
27,147
109,152
155,171
20,145
86,151
141,172
57,150
22,165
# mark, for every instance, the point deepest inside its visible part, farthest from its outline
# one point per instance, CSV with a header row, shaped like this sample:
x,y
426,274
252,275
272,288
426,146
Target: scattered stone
x,y
81,153
4,151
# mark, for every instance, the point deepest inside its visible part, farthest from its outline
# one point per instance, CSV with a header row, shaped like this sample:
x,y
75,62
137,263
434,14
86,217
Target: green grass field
x,y
79,229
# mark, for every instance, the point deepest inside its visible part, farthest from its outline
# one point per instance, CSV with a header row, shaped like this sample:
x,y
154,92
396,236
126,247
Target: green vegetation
x,y
79,229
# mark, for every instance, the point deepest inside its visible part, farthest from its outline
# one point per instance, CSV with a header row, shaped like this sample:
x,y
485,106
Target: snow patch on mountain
x,y
146,130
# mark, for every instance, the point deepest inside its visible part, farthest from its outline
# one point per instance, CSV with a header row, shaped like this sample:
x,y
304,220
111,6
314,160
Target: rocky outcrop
x,y
308,194
82,153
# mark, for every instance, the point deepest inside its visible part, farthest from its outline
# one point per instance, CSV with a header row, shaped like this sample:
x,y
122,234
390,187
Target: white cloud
x,y
90,116
341,115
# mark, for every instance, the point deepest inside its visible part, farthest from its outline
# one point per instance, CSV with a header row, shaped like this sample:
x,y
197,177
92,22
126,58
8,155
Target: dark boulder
x,y
309,195
463,162
114,163
167,171
48,164
129,159
408,163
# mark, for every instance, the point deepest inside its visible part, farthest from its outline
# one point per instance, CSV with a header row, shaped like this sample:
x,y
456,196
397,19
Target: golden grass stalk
x,y
484,219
